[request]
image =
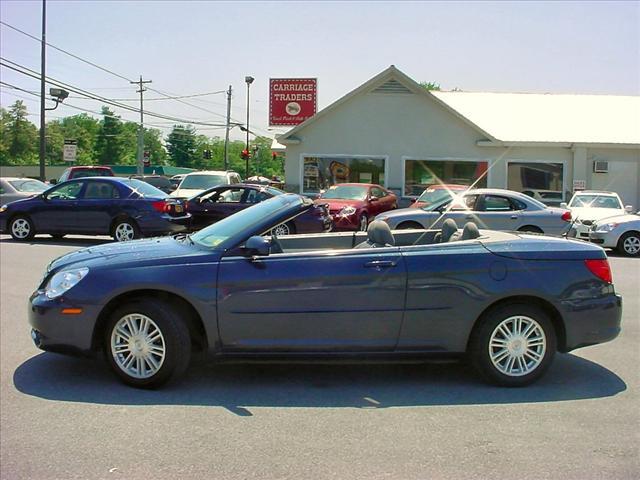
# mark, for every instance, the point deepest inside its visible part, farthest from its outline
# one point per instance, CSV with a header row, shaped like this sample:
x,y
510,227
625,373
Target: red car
x,y
353,205
436,193
85,171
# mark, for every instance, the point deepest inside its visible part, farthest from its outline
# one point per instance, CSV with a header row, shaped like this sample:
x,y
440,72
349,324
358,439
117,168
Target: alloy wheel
x,y
281,230
517,346
364,223
138,346
21,228
124,232
631,245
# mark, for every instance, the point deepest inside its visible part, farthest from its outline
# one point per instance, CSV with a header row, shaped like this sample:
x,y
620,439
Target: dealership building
x,y
394,132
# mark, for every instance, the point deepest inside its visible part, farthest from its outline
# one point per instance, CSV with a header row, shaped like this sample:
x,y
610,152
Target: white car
x,y
588,206
13,188
621,232
197,182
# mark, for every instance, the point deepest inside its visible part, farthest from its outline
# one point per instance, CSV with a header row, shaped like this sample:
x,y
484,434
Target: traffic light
x,y
207,154
245,154
146,158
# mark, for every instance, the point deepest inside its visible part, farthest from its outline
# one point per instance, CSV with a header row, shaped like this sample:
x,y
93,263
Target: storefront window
x,y
421,174
319,173
542,181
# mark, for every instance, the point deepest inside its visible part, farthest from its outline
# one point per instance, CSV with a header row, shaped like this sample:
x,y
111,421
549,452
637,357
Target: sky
x,y
191,47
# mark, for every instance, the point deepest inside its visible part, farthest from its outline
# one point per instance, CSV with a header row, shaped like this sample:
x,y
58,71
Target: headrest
x,y
379,234
449,227
470,231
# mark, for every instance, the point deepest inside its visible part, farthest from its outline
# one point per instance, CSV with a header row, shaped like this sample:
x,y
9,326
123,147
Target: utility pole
x,y
141,131
43,145
226,136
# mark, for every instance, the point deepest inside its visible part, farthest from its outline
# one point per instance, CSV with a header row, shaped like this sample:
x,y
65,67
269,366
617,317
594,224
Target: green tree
x,y
430,85
5,121
182,146
20,136
153,144
110,145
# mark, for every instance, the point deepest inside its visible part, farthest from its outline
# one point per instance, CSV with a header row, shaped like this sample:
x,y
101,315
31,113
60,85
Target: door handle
x,y
514,217
380,264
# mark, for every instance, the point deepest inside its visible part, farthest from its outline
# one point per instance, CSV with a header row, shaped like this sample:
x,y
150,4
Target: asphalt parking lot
x,y
63,417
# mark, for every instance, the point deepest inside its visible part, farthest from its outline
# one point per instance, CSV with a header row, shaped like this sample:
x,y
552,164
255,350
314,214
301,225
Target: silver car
x,y
621,232
489,208
13,188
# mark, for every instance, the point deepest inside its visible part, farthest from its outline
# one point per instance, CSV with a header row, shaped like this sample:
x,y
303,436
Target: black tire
x,y
629,244
530,229
124,229
409,225
57,236
532,354
174,340
21,228
363,223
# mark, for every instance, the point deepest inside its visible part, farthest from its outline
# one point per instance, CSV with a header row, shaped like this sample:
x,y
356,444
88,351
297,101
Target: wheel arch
x,y
546,306
187,311
121,216
530,228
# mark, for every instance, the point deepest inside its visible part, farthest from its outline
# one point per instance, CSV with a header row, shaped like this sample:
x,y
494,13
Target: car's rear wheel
x,y
408,226
21,228
125,230
530,229
284,229
147,344
363,223
513,345
629,244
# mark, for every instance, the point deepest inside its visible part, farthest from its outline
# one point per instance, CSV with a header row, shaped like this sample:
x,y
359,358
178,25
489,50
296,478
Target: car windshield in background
x,y
98,172
244,220
273,191
595,201
433,195
144,189
202,182
35,186
347,192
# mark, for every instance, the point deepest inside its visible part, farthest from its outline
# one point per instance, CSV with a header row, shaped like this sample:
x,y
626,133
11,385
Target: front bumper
x,y
604,239
54,331
592,321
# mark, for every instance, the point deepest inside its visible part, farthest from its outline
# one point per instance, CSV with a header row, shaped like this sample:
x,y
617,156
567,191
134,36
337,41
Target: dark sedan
x,y
219,202
124,208
507,301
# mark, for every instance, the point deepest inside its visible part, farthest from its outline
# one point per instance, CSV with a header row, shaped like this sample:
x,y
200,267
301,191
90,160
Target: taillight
x,y
160,206
600,268
566,216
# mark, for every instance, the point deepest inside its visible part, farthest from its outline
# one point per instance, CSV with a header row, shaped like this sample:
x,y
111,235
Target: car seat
x,y
449,227
378,235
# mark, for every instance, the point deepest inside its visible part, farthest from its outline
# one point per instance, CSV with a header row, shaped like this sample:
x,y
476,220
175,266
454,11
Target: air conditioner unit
x,y
601,166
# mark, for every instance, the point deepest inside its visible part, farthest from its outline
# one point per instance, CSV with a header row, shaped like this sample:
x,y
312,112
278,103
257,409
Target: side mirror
x,y
413,200
628,208
563,205
257,246
53,181
373,199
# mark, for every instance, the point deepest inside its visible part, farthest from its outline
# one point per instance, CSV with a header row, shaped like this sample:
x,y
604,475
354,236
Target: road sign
x,y
69,150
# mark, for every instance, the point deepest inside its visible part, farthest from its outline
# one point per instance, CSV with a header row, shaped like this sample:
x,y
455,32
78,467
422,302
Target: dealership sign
x,y
292,100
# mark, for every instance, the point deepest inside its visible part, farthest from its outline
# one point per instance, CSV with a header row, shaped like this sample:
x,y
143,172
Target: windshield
x,y
144,189
28,185
202,182
433,195
595,201
346,192
244,220
93,172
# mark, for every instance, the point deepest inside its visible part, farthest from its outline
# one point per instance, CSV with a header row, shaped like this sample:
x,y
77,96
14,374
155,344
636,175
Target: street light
x,y
249,80
57,95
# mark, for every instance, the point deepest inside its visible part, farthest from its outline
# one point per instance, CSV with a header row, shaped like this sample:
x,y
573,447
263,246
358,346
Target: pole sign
x,y
69,150
292,100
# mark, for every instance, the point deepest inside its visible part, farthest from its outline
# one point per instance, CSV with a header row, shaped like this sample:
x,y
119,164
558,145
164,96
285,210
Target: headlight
x,y
3,208
63,281
348,210
606,227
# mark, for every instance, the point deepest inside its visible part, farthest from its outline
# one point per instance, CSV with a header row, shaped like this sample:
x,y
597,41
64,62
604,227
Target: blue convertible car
x,y
506,301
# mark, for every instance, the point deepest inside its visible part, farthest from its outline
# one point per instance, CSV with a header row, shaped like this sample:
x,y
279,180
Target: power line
x,y
32,73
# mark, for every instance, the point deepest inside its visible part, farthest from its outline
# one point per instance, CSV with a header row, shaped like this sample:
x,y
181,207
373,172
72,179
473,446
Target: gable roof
x,y
552,118
389,80
505,118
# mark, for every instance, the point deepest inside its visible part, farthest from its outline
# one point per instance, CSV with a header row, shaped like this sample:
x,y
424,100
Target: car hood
x,y
153,251
628,218
590,213
338,204
186,192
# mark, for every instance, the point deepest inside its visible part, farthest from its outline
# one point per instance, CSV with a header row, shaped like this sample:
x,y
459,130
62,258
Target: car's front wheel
x,y
363,223
513,345
283,229
147,344
21,228
629,244
125,230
